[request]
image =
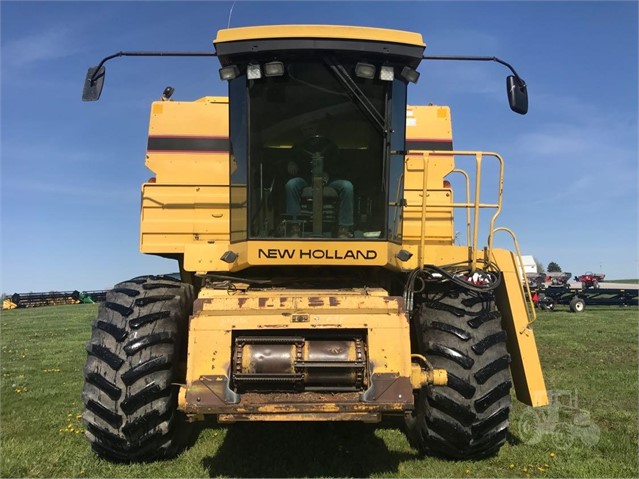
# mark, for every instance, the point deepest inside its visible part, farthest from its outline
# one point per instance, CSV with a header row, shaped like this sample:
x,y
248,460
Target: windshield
x,y
316,156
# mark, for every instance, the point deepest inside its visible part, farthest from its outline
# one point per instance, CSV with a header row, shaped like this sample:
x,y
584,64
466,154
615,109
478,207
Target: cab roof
x,y
319,31
236,43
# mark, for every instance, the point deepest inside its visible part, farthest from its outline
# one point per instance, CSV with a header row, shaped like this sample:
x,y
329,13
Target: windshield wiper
x,y
358,96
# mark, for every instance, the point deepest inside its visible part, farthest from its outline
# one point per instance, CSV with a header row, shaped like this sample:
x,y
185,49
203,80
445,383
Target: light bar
x,y
365,70
229,72
274,69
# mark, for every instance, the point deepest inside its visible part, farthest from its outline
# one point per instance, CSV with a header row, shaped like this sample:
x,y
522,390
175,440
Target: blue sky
x,y
71,171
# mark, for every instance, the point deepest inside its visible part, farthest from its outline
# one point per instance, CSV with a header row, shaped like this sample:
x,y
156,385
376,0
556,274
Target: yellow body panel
x,y
438,222
173,216
220,314
525,365
430,127
219,317
187,124
205,116
388,337
438,167
186,209
187,203
428,122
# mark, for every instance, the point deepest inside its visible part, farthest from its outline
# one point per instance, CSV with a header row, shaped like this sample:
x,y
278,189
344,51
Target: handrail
x,y
530,308
458,170
398,202
476,204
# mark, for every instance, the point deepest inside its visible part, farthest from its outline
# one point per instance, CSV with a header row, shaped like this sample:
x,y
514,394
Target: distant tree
x,y
553,267
540,266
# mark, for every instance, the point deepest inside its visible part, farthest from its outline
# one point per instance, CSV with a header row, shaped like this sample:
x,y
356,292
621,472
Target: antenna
x,y
230,13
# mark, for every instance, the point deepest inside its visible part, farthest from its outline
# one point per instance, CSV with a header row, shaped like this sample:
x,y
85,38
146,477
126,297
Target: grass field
x,y
589,360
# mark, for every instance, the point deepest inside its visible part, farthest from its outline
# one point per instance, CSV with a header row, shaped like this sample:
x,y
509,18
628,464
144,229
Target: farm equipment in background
x,y
536,280
545,280
8,304
52,298
97,296
550,289
300,312
590,279
577,298
558,279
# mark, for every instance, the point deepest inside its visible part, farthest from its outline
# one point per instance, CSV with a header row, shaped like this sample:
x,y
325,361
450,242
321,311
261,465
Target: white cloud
x,y
569,126
52,44
580,154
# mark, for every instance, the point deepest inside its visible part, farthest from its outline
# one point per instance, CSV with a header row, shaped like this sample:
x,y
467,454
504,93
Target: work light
x,y
387,73
409,74
274,69
365,70
253,71
229,72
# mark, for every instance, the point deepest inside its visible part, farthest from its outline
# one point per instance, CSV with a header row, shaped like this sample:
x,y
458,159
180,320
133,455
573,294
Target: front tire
x,y
461,331
135,358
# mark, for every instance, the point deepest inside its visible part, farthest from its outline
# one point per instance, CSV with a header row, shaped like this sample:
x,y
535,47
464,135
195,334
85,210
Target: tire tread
x,y
130,397
460,331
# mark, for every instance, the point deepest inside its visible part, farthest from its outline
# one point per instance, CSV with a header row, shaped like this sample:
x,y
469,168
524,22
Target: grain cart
x,y
311,215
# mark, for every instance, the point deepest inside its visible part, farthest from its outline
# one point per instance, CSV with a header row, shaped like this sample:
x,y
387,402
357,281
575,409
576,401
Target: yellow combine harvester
x,y
311,214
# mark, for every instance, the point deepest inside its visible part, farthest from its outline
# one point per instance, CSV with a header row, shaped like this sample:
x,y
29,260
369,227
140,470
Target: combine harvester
x,y
313,299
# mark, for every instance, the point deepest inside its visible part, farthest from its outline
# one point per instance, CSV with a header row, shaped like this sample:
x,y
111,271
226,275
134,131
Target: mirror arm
x,y
478,59
148,54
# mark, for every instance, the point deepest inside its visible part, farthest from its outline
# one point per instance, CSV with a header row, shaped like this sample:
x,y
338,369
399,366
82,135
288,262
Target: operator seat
x,y
329,206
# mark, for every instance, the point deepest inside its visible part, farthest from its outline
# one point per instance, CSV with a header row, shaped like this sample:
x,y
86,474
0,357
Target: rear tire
x,y
135,358
461,331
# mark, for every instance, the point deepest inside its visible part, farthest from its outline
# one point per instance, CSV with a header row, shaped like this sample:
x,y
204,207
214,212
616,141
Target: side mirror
x,y
93,84
517,94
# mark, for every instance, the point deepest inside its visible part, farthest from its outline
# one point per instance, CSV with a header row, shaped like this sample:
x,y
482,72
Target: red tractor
x,y
590,279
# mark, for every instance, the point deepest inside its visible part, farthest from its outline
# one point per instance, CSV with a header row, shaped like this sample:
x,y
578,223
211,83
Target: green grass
x,y
592,356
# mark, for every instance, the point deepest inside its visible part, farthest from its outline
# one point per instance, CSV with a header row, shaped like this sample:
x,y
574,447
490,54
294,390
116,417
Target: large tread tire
x,y
135,358
460,331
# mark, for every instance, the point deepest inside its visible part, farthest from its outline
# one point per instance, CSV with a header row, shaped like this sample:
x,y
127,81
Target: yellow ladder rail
x,y
475,205
530,307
